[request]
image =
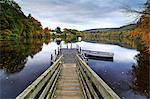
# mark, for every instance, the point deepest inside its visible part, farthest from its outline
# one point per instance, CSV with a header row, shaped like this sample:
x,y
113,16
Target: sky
x,y
81,14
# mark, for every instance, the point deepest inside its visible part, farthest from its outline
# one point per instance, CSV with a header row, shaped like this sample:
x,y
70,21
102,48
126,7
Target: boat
x,y
58,41
98,55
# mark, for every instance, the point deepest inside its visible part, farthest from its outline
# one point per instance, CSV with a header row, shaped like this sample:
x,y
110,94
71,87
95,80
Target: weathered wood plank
x,y
68,85
46,89
88,95
102,87
82,87
82,73
53,87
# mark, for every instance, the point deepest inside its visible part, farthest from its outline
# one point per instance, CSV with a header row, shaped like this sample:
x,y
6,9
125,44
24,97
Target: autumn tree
x,y
142,30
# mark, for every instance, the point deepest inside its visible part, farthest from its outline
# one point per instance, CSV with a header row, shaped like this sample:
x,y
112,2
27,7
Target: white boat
x,y
98,54
58,40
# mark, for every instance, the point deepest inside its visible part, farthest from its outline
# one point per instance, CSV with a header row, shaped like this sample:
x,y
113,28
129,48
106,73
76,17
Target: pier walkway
x,y
68,78
68,85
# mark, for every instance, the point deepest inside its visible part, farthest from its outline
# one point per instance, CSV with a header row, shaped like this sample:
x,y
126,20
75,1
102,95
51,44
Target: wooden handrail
x,y
92,84
47,79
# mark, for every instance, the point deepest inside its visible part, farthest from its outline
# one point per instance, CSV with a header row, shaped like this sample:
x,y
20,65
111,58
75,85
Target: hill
x,y
120,29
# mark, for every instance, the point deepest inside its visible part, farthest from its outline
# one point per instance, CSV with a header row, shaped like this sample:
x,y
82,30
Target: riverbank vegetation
x,y
70,35
15,25
67,35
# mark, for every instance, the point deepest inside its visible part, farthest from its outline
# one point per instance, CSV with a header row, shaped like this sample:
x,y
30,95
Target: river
x,y
22,62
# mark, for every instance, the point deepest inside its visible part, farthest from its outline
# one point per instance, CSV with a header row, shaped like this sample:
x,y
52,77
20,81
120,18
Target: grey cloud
x,y
76,11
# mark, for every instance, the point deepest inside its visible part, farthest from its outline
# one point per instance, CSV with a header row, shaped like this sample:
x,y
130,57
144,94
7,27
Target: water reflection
x,y
141,73
124,42
127,75
14,54
21,63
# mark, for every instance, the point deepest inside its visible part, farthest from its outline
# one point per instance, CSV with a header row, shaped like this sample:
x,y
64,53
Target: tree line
x,y
15,25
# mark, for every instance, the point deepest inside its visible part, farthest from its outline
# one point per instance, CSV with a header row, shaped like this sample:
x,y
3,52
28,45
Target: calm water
x,y
127,75
22,63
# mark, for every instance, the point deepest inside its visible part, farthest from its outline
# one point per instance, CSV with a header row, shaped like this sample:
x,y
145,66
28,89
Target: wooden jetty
x,y
68,78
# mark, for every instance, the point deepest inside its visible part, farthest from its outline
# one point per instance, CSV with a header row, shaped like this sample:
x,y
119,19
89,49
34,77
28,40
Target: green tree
x,y
58,30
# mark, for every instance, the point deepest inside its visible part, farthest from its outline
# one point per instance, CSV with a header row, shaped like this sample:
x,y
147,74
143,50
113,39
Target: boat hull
x,y
106,56
100,58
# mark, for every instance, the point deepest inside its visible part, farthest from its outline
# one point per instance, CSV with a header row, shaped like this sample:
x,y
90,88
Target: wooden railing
x,y
92,85
44,86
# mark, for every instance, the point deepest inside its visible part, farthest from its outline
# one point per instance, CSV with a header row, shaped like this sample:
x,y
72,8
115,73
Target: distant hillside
x,y
123,28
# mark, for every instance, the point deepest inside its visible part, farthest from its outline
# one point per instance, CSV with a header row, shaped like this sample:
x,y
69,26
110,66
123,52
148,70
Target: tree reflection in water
x,y
14,54
141,73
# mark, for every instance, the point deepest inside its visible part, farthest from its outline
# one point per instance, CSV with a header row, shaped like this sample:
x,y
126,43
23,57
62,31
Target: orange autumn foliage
x,y
142,30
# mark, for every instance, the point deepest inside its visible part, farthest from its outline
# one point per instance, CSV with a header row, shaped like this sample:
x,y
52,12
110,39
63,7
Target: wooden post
x,y
55,51
51,56
80,50
58,51
51,59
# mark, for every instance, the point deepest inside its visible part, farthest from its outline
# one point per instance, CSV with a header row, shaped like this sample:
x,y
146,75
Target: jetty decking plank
x,y
68,86
69,55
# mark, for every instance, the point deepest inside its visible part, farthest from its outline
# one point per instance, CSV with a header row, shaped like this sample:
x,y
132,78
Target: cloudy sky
x,y
80,14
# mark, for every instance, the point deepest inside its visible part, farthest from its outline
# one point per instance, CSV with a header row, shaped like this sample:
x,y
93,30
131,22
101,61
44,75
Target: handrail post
x,y
51,59
58,51
55,52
